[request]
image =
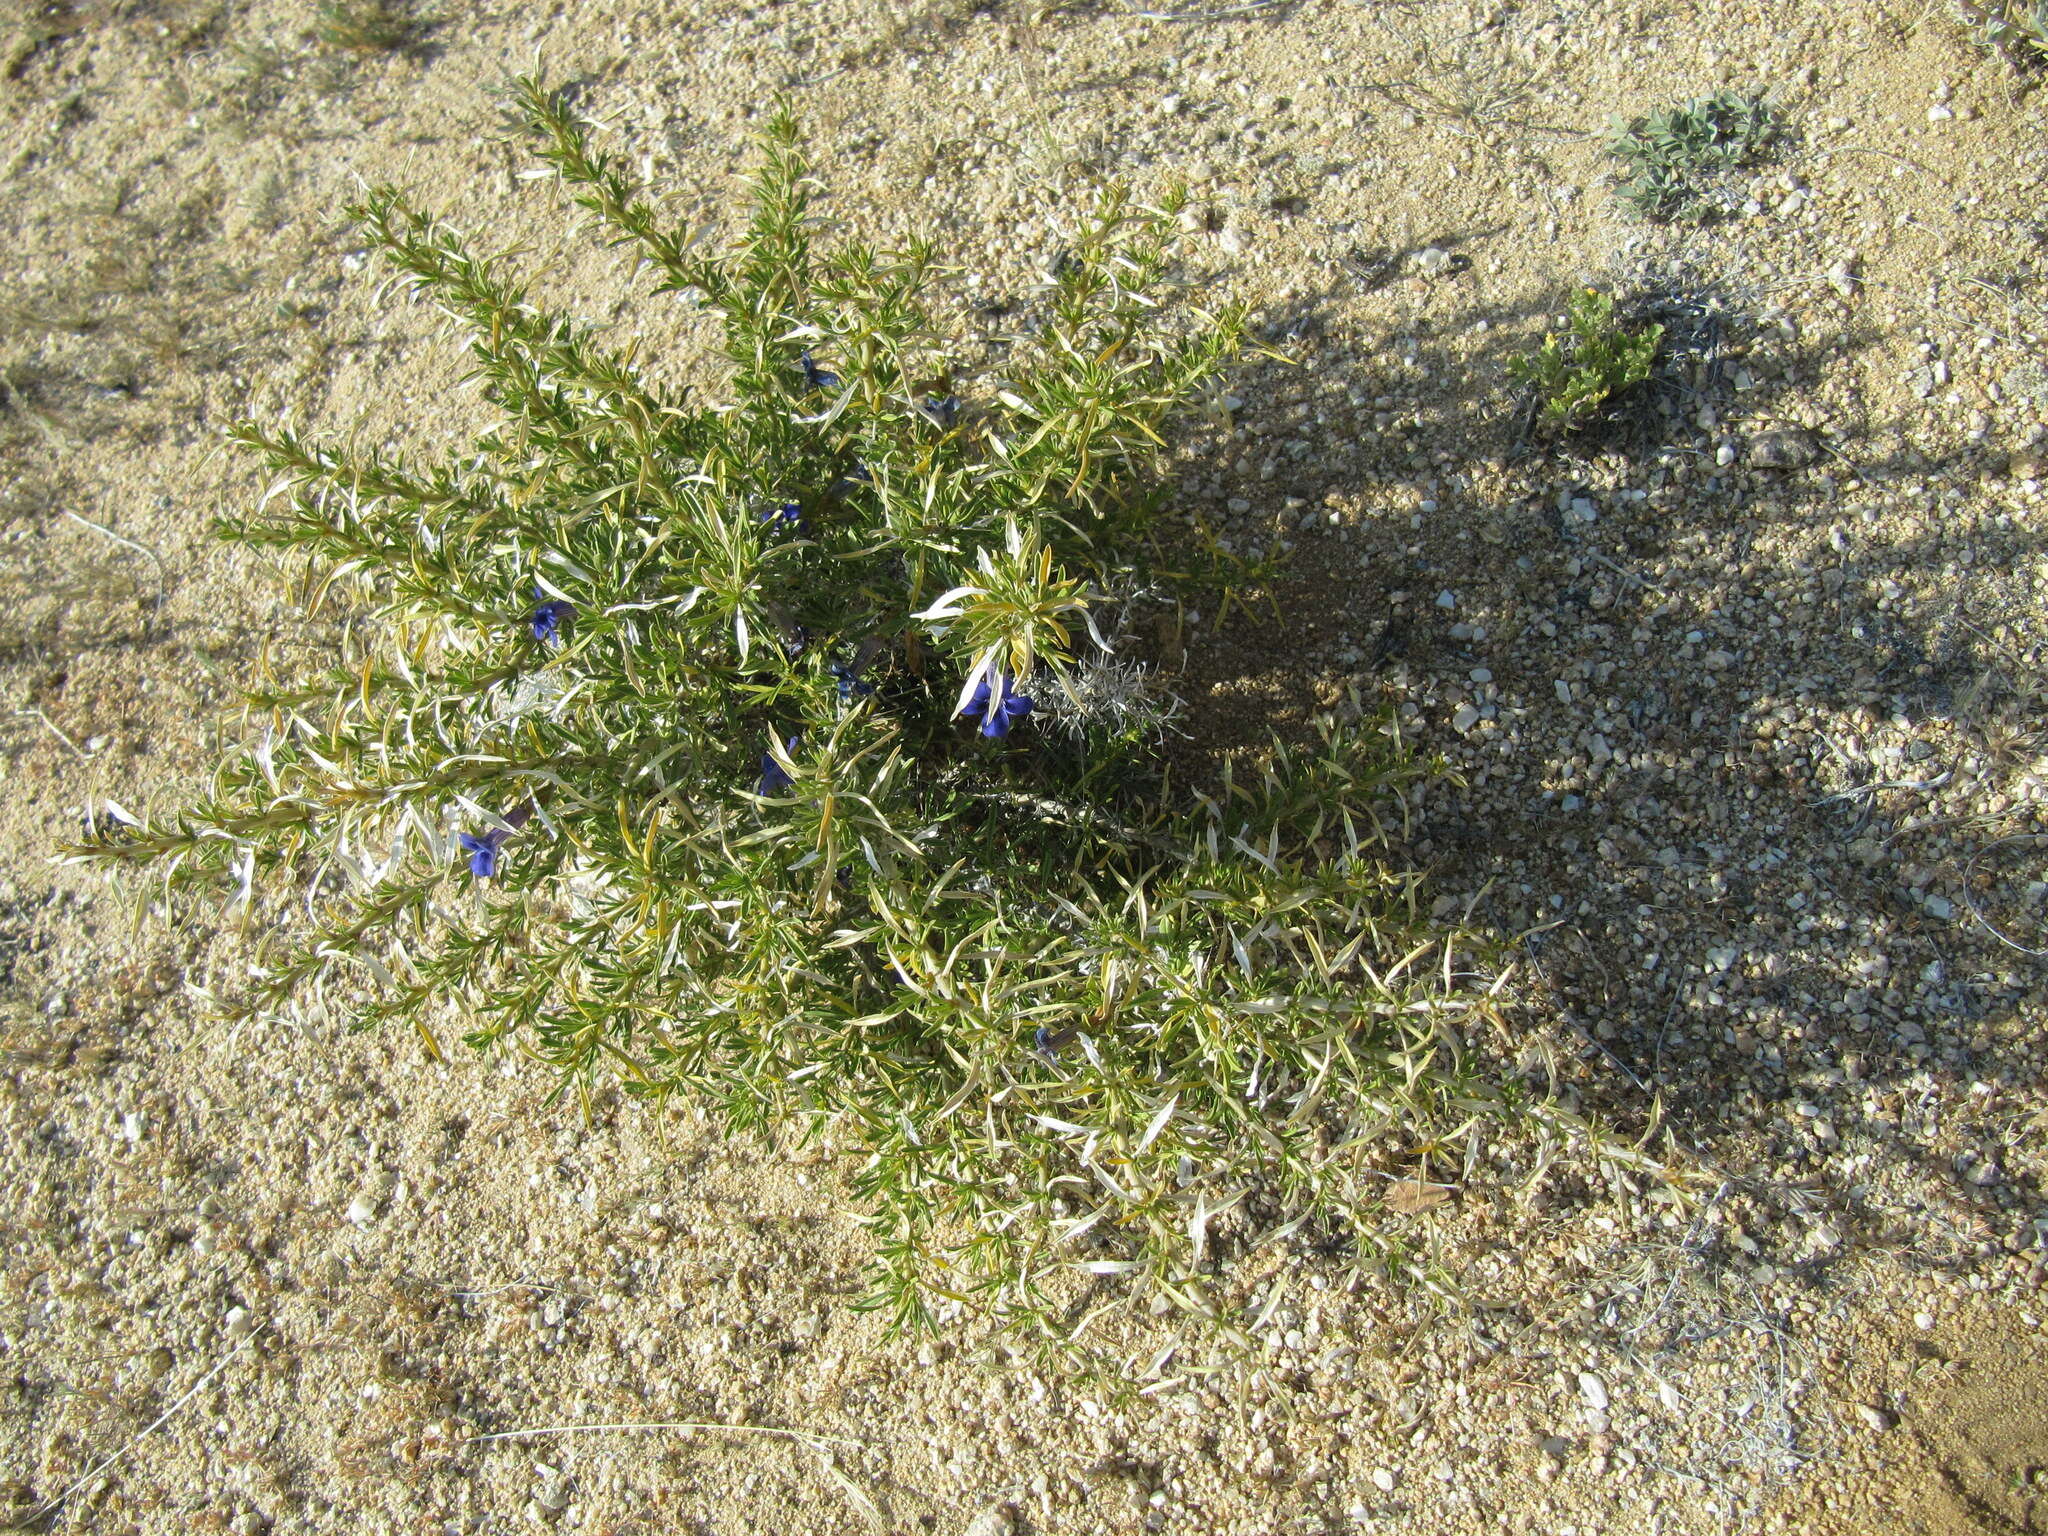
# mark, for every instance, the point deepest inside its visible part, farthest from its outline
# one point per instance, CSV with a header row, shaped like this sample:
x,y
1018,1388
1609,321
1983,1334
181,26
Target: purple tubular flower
x,y
1050,1042
784,516
851,482
547,619
483,852
851,685
999,707
774,778
940,410
816,377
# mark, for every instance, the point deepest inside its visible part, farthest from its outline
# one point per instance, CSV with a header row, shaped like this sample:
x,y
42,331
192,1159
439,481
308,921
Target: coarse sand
x,y
1746,698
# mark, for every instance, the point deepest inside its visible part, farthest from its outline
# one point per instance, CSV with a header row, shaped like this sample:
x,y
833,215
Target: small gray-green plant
x,y
1578,370
1673,159
695,743
371,26
1472,92
2016,30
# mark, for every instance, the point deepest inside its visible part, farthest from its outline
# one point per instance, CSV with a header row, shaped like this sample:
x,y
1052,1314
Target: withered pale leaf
x,y
1411,1196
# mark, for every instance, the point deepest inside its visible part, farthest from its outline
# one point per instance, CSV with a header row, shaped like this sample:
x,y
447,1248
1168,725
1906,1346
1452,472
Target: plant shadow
x,y
1674,634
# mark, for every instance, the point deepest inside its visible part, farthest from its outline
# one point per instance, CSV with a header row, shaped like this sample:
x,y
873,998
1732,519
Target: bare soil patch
x,y
1746,699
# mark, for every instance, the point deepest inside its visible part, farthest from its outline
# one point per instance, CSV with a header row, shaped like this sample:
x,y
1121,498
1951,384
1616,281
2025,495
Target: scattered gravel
x,y
1742,693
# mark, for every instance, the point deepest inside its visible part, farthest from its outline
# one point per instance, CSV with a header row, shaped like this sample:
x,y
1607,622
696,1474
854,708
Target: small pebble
x,y
553,1494
997,1520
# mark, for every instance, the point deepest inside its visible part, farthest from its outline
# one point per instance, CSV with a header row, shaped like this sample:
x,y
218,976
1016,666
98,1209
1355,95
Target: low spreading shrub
x,y
781,751
1675,161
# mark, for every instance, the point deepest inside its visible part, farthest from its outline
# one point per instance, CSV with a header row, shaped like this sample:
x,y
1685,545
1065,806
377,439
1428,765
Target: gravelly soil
x,y
1744,690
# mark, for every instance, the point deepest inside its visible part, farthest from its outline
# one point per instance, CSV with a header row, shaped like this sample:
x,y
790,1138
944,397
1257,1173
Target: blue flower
x,y
816,377
940,410
999,707
852,481
547,619
784,517
851,686
774,778
483,851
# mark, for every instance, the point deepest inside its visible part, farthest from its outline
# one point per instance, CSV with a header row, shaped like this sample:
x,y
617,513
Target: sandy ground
x,y
1748,705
